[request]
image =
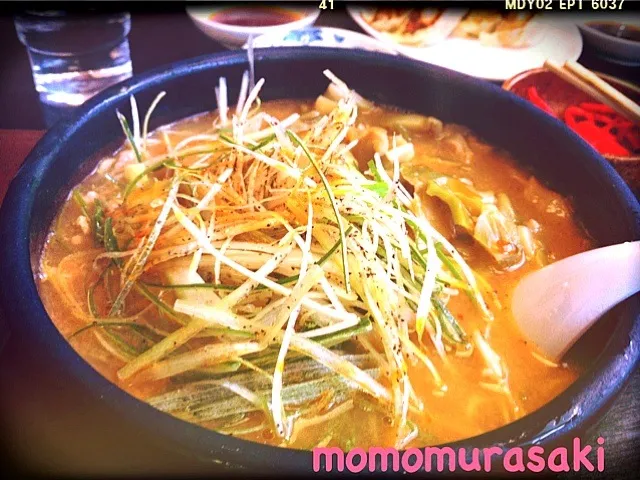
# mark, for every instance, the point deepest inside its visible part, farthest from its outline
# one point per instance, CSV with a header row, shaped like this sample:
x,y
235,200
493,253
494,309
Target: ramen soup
x,y
310,273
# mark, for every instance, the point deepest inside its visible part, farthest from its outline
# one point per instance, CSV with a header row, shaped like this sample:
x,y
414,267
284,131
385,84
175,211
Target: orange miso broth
x,y
311,273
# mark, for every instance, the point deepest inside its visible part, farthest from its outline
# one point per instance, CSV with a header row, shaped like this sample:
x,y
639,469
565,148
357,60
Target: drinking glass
x,y
75,55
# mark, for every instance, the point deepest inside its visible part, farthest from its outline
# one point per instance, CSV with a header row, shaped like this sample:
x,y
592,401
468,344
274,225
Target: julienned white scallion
x,y
130,136
325,183
266,245
313,277
147,118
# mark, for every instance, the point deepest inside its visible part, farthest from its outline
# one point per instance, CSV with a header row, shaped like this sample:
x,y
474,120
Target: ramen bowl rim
x,y
587,397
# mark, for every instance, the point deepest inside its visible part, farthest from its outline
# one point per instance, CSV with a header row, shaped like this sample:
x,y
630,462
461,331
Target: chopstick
x,y
591,84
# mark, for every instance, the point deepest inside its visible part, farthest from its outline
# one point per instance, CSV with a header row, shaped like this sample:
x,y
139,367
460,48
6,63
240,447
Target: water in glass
x,y
74,56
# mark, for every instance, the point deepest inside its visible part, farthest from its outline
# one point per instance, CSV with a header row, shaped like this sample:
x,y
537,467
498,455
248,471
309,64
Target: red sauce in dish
x,y
255,17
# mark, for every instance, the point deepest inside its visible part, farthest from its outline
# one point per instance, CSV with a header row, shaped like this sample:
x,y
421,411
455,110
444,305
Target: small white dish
x,y
234,36
321,37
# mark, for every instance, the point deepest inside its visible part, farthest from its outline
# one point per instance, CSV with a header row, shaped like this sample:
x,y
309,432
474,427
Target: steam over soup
x,y
306,273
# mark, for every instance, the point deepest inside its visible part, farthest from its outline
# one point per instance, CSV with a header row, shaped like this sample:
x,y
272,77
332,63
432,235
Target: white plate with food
x,y
489,45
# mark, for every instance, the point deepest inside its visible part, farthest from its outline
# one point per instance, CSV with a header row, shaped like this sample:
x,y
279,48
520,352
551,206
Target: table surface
x,y
153,41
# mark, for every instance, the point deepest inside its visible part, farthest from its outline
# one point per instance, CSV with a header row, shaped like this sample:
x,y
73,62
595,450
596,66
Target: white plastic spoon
x,y
555,305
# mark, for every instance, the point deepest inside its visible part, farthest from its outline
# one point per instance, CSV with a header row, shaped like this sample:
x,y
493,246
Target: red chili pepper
x,y
622,122
535,98
605,120
597,108
574,115
613,148
600,139
603,128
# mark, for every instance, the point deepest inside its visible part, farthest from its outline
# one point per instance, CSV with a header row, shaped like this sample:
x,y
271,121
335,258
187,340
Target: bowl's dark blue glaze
x,y
603,203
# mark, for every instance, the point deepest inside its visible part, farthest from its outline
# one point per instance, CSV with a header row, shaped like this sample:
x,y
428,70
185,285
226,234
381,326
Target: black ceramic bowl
x,y
79,399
